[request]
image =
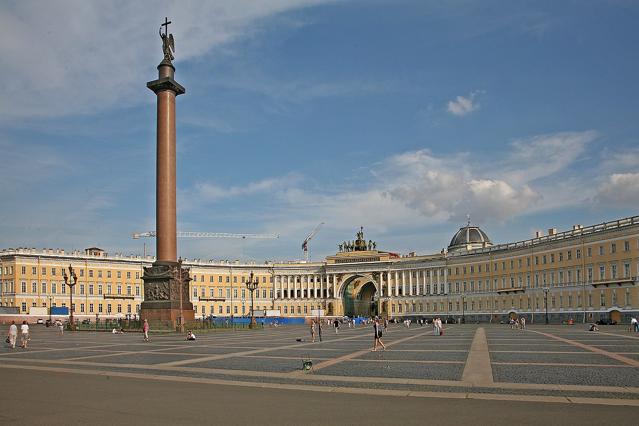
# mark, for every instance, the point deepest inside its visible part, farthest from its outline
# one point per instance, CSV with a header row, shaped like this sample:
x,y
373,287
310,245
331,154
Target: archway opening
x,y
359,298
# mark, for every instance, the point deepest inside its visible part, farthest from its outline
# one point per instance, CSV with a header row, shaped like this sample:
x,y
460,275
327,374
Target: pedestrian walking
x,y
145,329
522,321
385,324
313,331
12,336
60,327
336,325
378,336
634,324
24,337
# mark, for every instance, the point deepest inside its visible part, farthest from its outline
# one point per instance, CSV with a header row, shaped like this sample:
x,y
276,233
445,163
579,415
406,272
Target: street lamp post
x,y
71,280
50,302
252,286
463,311
546,289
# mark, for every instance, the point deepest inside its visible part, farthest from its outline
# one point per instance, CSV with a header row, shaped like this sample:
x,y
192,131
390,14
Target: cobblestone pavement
x,y
549,364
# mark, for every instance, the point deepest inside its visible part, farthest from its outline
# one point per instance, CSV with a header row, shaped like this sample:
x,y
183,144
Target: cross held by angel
x,y
168,43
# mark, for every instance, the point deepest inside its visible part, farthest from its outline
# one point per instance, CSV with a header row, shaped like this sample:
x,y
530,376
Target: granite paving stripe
x,y
395,370
253,364
392,354
618,357
141,358
562,348
370,381
385,392
559,358
478,369
61,354
547,375
559,364
206,350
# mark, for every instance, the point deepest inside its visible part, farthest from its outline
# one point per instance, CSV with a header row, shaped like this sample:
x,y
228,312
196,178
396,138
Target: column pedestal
x,y
163,283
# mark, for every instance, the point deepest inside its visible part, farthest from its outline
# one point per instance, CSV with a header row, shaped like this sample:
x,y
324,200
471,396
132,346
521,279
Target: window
x,y
569,254
108,308
109,288
24,307
128,275
90,289
90,308
100,274
44,271
119,274
100,307
108,274
137,275
24,287
34,288
626,270
601,251
626,246
54,288
24,270
81,288
137,290
602,272
100,289
128,290
34,270
235,279
119,308
589,251
81,307
602,299
90,273
578,253
613,271
561,256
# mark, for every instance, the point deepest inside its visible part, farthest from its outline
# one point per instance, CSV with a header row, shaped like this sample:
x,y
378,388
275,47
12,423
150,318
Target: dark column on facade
x,y
166,282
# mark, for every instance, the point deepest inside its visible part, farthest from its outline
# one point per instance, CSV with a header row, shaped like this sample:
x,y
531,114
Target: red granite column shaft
x,y
166,181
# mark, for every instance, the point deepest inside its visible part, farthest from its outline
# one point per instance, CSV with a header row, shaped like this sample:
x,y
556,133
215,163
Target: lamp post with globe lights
x,y
252,286
71,280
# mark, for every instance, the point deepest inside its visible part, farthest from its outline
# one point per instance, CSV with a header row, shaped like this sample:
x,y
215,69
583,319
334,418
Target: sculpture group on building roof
x,y
359,244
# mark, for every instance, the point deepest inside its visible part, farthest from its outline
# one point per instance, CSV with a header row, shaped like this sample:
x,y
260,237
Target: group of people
x,y
12,336
438,327
517,323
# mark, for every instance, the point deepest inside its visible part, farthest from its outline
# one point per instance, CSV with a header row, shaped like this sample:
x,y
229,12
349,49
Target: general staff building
x,y
582,274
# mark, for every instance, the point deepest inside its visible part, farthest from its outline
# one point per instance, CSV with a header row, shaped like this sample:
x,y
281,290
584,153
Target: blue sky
x,y
399,116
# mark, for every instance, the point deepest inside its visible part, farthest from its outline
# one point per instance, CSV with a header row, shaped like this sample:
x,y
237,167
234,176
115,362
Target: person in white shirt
x,y
24,330
13,334
634,324
190,335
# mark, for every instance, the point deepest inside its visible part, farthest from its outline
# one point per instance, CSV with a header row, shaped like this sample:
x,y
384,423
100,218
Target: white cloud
x,y
98,54
620,190
461,105
544,155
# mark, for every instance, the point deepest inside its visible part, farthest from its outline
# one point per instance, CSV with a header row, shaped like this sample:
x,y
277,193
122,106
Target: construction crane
x,y
310,236
152,234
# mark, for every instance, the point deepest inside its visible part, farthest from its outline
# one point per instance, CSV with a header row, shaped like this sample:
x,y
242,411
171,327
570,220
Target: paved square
x,y
544,364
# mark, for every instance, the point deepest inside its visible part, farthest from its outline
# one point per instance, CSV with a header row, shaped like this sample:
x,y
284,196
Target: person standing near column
x,y
24,331
145,329
13,334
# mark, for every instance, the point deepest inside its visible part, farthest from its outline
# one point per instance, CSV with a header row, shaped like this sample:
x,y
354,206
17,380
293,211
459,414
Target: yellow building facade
x,y
584,274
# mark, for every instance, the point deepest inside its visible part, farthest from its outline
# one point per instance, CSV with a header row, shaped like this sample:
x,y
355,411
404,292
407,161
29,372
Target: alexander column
x,y
166,282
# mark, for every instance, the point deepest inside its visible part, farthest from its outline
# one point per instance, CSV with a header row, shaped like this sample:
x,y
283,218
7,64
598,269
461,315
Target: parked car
x,y
40,321
86,321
